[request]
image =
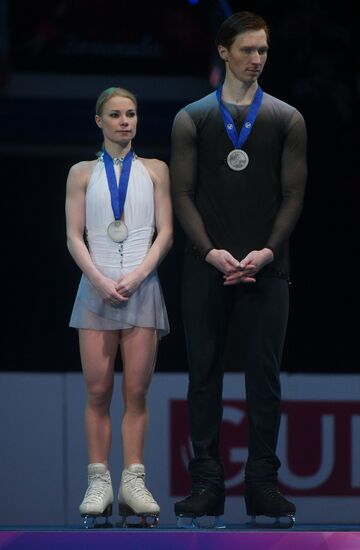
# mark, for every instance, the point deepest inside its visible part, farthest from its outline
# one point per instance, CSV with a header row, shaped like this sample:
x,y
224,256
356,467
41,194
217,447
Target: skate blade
x,y
137,521
129,519
276,522
91,520
199,522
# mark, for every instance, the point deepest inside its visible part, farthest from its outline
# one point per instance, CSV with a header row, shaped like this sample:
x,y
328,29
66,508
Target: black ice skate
x,y
202,504
264,499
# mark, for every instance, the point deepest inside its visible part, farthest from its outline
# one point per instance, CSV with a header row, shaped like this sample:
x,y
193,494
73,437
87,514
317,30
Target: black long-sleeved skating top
x,y
239,211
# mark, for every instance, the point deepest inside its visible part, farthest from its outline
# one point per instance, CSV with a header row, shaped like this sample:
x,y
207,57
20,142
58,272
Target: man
x,y
238,171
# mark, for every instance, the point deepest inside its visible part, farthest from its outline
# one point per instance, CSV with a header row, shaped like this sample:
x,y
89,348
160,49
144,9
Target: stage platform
x,y
239,537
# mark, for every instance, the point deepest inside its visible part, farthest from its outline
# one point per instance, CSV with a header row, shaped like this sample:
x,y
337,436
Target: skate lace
x,y
136,487
97,487
272,493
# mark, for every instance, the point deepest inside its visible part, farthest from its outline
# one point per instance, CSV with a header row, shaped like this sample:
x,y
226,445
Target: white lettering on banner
x,y
296,481
235,416
355,468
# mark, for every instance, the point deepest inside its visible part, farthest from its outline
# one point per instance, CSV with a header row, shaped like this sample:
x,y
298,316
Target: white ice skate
x,y
135,499
99,496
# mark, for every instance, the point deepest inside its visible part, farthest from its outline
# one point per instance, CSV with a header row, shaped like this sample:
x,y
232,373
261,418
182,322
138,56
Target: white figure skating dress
x,y
146,307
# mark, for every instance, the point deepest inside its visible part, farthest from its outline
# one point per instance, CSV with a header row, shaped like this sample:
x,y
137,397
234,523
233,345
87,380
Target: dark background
x,y
313,64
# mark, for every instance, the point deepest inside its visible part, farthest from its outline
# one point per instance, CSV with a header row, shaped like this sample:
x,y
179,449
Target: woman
x,y
117,202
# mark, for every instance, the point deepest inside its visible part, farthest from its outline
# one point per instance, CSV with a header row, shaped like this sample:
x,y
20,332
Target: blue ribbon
x,y
118,192
239,140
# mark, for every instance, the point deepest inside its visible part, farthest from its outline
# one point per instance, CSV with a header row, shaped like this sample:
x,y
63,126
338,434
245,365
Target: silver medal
x,y
117,231
237,160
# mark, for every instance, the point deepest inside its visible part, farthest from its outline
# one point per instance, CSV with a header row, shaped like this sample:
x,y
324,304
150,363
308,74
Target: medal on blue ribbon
x,y
117,229
238,159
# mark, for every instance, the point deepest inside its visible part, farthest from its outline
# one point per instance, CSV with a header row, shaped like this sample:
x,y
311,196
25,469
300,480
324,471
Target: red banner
x,y
319,447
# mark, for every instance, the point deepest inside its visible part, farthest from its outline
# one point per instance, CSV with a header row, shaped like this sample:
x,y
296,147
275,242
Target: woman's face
x,y
118,120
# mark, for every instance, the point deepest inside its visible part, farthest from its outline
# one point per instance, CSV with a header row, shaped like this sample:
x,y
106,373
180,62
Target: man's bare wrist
x,y
207,252
270,253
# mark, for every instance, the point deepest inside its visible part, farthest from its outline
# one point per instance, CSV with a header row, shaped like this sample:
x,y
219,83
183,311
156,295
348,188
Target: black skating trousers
x,y
260,313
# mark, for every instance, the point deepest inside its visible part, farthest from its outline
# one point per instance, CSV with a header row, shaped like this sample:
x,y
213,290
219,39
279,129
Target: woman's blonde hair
x,y
112,92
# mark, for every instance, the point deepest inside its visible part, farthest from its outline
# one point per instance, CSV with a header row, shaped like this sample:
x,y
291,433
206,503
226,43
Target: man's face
x,y
246,57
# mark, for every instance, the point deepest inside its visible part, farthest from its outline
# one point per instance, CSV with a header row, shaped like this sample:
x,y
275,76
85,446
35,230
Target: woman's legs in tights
x,y
98,351
138,350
